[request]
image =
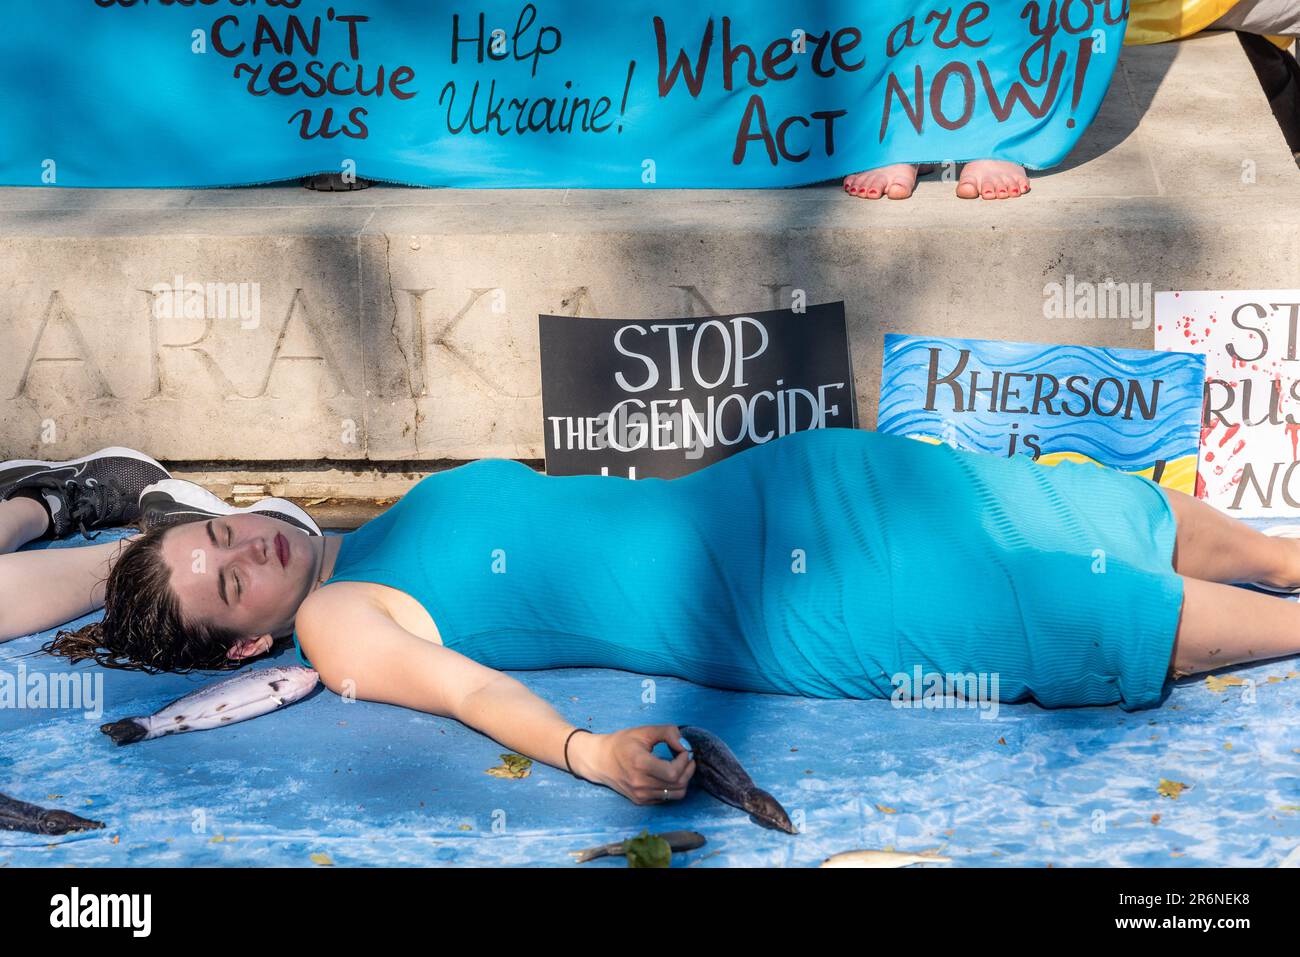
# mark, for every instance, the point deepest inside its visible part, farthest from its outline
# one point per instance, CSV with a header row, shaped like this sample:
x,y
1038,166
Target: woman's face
x,y
246,572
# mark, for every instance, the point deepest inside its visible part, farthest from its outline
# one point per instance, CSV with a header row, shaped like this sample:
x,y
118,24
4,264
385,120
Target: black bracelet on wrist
x,y
566,752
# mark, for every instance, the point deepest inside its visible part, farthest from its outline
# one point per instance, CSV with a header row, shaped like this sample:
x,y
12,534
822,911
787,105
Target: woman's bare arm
x,y
359,650
48,587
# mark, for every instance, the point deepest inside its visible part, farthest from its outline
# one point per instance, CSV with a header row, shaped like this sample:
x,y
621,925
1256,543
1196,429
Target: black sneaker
x,y
100,490
173,501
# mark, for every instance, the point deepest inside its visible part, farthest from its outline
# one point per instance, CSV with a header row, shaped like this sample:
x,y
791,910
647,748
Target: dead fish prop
x,y
872,858
244,696
719,772
18,815
677,840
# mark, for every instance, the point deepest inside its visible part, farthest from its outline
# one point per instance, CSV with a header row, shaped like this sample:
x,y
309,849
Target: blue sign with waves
x,y
1134,410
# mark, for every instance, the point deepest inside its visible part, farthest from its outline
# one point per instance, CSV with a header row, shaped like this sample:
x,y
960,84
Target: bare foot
x,y
992,179
896,181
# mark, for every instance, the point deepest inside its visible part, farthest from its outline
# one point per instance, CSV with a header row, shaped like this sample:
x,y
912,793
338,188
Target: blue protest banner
x,y
643,93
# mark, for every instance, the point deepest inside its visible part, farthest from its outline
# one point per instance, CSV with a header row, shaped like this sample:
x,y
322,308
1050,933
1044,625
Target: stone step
x,y
400,325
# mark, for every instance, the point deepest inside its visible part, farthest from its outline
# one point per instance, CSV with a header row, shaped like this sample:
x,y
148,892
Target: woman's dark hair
x,y
142,628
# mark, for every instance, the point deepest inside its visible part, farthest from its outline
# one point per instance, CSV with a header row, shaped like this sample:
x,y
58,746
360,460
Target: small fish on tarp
x,y
677,841
18,815
244,696
871,858
719,772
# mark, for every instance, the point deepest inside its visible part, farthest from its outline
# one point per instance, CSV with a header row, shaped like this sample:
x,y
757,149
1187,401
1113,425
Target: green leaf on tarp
x,y
512,766
648,850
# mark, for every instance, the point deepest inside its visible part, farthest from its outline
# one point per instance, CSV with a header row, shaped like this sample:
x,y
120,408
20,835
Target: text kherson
x,y
967,389
569,93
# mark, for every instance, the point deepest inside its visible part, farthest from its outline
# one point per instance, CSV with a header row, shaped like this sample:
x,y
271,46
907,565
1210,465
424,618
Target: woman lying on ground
x,y
828,563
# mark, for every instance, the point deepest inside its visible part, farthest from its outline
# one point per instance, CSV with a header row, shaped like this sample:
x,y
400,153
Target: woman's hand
x,y
625,761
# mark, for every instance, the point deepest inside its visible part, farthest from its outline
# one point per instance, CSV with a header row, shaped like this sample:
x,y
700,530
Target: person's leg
x,y
52,586
1279,75
1214,547
1222,625
22,519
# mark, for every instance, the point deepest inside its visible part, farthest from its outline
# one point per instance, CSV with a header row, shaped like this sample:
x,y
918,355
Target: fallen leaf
x,y
1216,683
1002,740
466,827
1155,818
1227,745
885,810
648,850
512,766
322,859
1170,789
53,797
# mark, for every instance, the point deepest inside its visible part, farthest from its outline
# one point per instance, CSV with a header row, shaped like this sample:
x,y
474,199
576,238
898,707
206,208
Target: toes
x,y
899,190
867,184
967,189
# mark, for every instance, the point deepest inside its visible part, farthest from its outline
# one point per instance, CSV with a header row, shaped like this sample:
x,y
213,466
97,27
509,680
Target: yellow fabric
x,y
1155,21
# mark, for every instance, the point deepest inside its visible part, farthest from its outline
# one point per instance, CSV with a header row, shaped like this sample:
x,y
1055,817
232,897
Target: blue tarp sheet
x,y
369,784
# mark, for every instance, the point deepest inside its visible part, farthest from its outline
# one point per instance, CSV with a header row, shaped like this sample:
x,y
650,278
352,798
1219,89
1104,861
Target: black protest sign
x,y
660,398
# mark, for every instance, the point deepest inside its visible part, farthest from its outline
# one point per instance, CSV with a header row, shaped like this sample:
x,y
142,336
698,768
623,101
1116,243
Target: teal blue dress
x,y
831,563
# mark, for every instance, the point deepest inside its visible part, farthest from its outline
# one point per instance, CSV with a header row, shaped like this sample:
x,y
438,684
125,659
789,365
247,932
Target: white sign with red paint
x,y
1250,419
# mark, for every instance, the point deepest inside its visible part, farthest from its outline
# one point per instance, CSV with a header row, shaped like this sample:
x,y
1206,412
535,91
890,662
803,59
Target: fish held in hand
x,y
18,815
244,696
720,773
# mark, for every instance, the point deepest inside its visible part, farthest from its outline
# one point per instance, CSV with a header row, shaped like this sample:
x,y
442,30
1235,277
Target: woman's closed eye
x,y
230,540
